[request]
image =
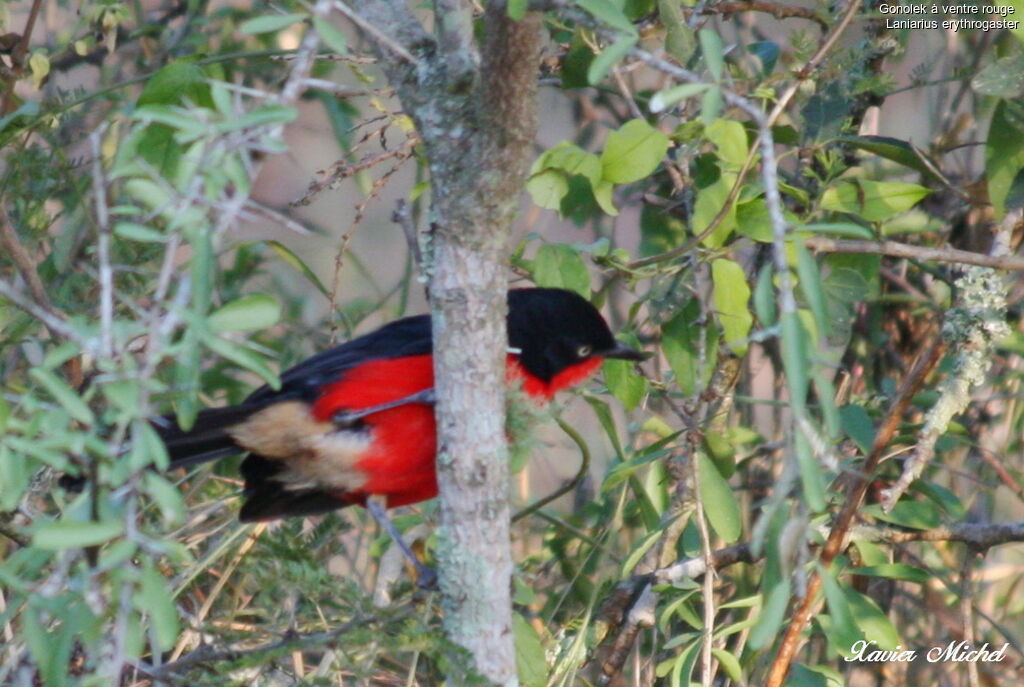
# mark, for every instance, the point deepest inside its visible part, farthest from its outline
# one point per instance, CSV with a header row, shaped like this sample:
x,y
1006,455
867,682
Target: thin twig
x,y
209,655
379,36
402,216
26,266
776,10
708,632
923,253
855,495
13,534
578,478
343,170
18,58
52,321
972,328
106,270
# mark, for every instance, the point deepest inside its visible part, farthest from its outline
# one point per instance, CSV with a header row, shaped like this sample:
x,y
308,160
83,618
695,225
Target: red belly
x,y
400,461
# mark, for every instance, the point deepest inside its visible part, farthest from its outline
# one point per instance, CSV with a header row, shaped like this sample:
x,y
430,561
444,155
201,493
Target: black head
x,y
554,329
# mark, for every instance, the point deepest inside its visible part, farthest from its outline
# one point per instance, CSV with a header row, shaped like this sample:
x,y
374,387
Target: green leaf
x,y
624,383
604,416
900,152
531,663
871,620
632,152
711,105
558,265
814,676
39,640
839,229
574,160
875,201
730,139
330,36
894,571
152,195
1004,78
243,357
516,10
858,426
720,505
645,545
609,13
871,554
154,596
1004,152
668,97
812,288
764,296
710,201
603,63
731,297
679,38
178,118
175,83
730,664
917,515
15,472
139,232
264,116
943,498
248,313
812,479
794,359
681,346
769,620
713,49
63,395
768,53
622,471
148,443
548,188
842,631
166,496
660,230
603,196
69,534
270,23
292,260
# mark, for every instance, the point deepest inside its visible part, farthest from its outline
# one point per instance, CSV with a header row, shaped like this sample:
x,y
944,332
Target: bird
x,y
354,425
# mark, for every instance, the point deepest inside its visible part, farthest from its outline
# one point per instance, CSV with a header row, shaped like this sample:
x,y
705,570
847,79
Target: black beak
x,y
624,352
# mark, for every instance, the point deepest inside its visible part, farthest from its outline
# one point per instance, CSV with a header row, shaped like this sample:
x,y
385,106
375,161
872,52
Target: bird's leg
x,y
426,577
347,417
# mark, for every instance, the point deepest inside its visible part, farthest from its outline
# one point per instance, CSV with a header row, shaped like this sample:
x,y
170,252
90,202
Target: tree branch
x,y
25,264
924,364
381,36
925,253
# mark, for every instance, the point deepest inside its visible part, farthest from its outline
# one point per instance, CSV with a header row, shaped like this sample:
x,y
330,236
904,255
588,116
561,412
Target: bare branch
x,y
856,491
26,266
924,253
390,25
52,321
106,270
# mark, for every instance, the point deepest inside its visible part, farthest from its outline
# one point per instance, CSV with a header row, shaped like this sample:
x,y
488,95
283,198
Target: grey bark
x,y
475,110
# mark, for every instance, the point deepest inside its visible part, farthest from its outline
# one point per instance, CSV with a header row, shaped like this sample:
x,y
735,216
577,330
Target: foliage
x,y
783,351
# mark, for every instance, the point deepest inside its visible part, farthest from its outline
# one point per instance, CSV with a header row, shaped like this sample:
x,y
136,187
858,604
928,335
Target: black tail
x,y
207,440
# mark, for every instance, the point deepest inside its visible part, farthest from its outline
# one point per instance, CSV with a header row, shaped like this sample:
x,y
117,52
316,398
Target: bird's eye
x,y
583,351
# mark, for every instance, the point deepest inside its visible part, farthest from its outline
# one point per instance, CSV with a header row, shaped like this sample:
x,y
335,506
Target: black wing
x,y
209,438
408,336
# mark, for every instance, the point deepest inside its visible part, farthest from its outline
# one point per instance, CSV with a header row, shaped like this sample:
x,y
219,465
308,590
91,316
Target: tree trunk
x,y
475,110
